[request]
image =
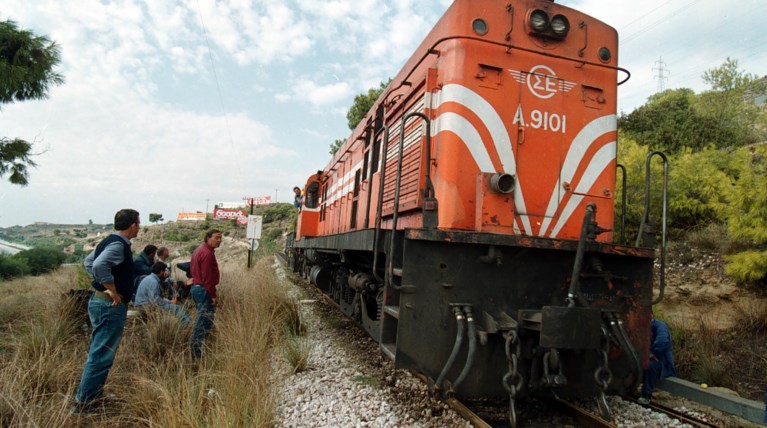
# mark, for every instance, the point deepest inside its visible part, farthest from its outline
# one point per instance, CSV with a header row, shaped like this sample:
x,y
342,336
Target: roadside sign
x,y
254,227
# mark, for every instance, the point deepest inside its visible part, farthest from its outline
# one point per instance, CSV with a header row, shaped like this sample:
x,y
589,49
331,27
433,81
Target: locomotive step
x,y
390,349
392,310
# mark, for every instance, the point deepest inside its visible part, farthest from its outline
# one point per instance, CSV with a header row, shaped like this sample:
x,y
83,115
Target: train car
x,y
467,223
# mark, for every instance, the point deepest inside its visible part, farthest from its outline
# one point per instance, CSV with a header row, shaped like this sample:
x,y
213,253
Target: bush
x,y
41,260
747,267
697,189
747,220
11,267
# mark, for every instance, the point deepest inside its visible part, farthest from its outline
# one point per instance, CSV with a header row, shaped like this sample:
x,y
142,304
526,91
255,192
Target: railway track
x,y
565,413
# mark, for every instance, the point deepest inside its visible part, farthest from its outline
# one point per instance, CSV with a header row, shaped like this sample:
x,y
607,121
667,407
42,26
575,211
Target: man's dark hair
x,y
150,249
159,267
125,218
162,250
210,233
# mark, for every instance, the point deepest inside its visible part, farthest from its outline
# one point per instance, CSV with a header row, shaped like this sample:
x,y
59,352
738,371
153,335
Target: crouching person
x,y
149,293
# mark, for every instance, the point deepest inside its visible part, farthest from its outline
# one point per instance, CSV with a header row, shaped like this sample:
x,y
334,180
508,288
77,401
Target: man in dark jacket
x,y
111,266
142,264
661,360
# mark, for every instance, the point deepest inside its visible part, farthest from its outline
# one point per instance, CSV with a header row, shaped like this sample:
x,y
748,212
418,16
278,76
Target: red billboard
x,y
259,200
226,214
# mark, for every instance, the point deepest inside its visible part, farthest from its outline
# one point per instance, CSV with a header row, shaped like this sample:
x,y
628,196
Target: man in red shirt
x,y
205,277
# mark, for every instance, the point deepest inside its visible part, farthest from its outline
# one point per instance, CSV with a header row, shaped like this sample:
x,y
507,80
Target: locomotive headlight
x,y
479,26
539,21
560,25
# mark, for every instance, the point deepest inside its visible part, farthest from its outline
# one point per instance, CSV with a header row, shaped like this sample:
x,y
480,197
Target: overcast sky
x,y
175,105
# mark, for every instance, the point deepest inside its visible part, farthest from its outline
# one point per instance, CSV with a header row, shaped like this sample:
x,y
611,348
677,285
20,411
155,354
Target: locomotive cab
x,y
309,216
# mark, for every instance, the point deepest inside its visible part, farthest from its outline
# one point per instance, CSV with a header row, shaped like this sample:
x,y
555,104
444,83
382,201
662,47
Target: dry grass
x,y
699,350
155,381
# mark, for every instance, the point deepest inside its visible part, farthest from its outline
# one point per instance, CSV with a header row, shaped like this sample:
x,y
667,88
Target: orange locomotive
x,y
467,221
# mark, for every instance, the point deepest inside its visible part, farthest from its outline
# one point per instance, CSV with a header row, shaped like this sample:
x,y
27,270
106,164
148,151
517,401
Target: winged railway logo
x,y
542,81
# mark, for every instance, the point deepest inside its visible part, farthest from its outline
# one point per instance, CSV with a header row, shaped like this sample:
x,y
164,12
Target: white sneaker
x,y
643,401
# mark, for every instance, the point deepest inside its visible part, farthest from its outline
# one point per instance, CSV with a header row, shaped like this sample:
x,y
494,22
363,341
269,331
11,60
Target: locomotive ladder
x,y
393,285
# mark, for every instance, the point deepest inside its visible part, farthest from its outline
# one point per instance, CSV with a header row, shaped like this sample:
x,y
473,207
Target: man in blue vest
x,y
111,266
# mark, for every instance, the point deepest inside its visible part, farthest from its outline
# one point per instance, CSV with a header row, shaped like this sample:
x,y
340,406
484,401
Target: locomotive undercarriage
x,y
506,296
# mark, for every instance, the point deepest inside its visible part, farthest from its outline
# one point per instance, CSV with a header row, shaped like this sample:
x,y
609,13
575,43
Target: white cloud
x,y
141,99
304,90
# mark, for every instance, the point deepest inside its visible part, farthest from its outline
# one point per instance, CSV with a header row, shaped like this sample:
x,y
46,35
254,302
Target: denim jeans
x,y
179,311
108,323
651,377
205,313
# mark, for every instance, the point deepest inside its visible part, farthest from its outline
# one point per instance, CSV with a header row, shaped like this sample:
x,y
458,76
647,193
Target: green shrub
x,y
747,220
276,212
748,200
41,260
11,267
747,266
697,189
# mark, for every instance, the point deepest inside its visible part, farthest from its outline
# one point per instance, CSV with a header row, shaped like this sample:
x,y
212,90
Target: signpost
x,y
253,233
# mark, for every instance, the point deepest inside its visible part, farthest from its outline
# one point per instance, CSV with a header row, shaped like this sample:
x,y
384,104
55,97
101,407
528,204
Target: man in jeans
x,y
205,277
111,266
661,363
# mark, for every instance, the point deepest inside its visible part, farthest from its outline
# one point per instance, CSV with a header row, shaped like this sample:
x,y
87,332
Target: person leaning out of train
x,y
661,359
297,198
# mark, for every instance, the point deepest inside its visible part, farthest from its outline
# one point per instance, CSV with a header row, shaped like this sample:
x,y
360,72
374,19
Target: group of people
x,y
153,285
114,271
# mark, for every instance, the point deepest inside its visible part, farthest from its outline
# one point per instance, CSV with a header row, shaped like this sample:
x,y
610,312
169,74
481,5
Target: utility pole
x,y
275,196
662,75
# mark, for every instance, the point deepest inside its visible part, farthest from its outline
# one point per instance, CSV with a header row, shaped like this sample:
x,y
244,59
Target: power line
x,y
215,75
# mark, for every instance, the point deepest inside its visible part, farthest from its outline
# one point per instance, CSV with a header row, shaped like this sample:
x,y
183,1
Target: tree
x,y
15,158
668,122
336,145
724,117
360,107
363,103
728,104
26,73
154,218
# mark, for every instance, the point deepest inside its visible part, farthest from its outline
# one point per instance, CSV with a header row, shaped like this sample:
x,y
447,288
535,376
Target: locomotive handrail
x,y
646,217
623,204
395,217
508,46
369,177
376,235
573,293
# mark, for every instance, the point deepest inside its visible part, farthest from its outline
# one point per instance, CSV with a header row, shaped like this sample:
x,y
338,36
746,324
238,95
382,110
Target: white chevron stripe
x,y
599,162
465,131
494,124
581,143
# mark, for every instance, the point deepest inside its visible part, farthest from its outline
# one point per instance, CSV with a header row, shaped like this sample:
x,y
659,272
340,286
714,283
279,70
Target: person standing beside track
x,y
205,278
661,359
111,266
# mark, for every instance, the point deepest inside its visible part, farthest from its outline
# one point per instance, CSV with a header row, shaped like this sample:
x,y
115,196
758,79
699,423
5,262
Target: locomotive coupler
x,y
551,362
